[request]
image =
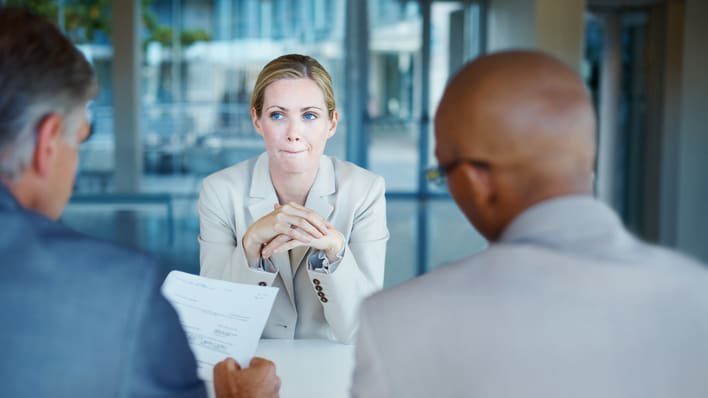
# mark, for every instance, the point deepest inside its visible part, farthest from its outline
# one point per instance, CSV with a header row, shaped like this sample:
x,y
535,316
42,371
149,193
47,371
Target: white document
x,y
221,319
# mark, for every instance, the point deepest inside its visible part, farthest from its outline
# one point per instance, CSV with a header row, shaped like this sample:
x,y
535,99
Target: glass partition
x,y
200,64
199,61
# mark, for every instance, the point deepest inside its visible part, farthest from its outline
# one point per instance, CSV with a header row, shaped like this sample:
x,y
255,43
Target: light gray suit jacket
x,y
310,304
567,304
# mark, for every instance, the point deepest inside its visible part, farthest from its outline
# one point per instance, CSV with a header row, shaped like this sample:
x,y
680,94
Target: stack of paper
x,y
222,319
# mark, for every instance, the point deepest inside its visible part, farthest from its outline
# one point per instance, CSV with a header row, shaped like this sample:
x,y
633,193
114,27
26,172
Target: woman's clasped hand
x,y
287,227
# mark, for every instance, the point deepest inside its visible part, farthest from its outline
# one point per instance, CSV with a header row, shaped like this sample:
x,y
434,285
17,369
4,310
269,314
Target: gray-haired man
x,y
80,317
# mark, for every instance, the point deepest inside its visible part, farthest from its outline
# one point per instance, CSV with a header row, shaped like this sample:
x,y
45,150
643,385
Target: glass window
x,y
393,103
87,24
401,253
450,235
200,59
201,62
397,116
456,39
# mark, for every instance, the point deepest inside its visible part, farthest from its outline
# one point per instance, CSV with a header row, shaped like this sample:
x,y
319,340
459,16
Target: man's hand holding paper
x,y
221,319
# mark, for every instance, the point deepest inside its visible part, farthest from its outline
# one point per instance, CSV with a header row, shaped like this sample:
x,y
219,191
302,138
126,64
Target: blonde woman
x,y
311,225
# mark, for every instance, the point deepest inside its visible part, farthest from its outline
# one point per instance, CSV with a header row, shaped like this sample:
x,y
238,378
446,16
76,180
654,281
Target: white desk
x,y
310,368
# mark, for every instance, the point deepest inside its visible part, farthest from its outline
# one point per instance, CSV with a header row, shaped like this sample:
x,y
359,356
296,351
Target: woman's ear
x,y
48,133
256,122
334,120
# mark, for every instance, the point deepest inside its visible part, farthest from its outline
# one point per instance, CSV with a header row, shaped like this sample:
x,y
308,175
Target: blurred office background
x,y
176,78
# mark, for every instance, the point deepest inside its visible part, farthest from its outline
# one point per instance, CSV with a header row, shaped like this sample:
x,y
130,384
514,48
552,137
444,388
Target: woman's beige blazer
x,y
310,303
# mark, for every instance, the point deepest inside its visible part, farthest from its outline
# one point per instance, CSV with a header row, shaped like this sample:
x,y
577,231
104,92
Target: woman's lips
x,y
292,152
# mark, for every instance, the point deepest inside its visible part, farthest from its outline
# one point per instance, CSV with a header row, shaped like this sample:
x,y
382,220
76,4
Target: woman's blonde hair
x,y
293,66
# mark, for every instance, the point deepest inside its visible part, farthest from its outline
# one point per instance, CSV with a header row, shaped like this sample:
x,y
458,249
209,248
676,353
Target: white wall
x,y
554,26
561,29
511,24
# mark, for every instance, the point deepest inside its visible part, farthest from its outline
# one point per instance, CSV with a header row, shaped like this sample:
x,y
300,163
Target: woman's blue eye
x,y
276,115
309,116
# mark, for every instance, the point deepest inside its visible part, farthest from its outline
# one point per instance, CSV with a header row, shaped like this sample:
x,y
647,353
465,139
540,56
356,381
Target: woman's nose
x,y
294,132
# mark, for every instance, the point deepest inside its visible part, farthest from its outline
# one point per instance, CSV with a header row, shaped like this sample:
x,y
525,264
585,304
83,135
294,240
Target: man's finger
x,y
224,384
278,383
232,365
258,362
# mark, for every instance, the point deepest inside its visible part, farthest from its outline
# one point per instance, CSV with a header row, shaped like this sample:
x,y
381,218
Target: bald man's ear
x,y
481,196
48,135
482,187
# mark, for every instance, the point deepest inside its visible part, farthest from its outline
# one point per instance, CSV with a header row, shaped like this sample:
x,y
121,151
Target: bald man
x,y
564,302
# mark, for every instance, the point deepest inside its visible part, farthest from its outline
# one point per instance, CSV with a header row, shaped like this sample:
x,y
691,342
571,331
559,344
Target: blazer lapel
x,y
262,199
318,199
7,201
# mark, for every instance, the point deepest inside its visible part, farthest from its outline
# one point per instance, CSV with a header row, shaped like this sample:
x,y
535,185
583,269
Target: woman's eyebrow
x,y
282,108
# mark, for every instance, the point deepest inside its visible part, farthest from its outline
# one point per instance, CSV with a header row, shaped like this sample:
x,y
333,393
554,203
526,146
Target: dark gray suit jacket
x,y
84,318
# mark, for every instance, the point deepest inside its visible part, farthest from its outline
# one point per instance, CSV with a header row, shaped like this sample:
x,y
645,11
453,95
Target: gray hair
x,y
41,73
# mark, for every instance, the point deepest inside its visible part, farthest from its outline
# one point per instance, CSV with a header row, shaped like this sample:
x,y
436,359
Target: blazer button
x,y
323,299
321,294
261,283
316,281
318,288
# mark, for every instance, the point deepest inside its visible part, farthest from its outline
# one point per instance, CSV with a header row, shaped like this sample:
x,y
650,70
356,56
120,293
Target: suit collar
x,y
325,185
567,222
261,184
7,199
263,196
262,193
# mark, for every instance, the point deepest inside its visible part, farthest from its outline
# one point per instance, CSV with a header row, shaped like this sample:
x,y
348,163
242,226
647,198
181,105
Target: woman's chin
x,y
295,166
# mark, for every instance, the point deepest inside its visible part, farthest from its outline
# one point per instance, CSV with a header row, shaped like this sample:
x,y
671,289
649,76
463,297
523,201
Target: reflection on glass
x,y
401,253
450,235
394,57
199,62
86,23
455,29
201,59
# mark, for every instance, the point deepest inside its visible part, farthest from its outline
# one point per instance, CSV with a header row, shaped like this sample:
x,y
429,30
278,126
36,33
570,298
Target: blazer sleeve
x,y
221,255
361,270
161,363
369,378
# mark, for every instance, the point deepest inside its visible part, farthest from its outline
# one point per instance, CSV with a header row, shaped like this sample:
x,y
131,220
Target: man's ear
x,y
333,124
48,134
483,193
483,189
256,122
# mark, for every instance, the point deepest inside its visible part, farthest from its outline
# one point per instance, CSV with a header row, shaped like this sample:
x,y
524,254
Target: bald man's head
x,y
525,125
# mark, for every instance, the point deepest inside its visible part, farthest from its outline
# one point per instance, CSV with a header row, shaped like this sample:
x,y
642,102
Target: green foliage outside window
x,y
84,19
